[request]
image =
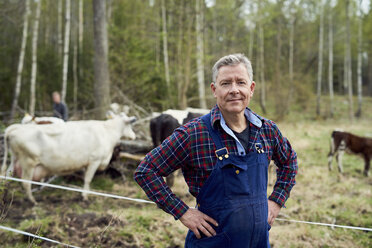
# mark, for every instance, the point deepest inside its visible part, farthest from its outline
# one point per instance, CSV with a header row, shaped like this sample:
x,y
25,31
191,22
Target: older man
x,y
224,157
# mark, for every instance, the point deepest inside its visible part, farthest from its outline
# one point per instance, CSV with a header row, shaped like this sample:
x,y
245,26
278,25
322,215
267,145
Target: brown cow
x,y
343,141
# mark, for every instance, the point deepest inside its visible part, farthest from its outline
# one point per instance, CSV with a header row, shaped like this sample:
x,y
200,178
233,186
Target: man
x,y
224,158
59,108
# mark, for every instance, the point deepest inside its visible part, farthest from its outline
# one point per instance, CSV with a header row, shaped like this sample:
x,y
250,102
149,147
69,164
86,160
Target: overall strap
x,y
213,133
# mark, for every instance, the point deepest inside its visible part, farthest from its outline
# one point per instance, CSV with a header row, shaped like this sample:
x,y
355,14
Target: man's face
x,y
56,98
233,89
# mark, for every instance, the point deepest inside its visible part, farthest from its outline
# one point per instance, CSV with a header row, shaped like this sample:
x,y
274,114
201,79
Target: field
x,y
320,196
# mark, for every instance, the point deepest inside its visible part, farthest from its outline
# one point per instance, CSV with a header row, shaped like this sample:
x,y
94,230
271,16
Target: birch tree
x,y
35,33
359,70
348,61
18,85
320,59
165,48
66,49
101,72
75,32
330,60
200,54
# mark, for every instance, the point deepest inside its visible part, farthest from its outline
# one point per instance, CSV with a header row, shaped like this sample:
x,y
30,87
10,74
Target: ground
x,y
319,195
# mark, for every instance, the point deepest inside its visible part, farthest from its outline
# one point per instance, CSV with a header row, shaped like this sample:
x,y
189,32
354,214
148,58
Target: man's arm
x,y
159,163
285,159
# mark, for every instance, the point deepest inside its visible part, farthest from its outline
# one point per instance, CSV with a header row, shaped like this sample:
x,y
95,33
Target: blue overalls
x,y
235,195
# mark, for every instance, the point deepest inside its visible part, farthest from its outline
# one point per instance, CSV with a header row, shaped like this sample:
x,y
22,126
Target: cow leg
x,y
27,175
89,173
366,165
330,158
331,153
339,156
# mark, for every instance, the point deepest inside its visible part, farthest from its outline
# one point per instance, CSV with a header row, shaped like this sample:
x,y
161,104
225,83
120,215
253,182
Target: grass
x,y
319,195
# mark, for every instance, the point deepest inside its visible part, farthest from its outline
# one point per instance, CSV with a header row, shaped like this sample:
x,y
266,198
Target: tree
x,y
330,60
21,60
35,33
165,47
348,61
261,66
59,27
75,56
66,50
101,72
200,53
320,59
359,70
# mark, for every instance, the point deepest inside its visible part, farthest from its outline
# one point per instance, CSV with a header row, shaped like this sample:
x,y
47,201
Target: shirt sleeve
x,y
285,159
159,163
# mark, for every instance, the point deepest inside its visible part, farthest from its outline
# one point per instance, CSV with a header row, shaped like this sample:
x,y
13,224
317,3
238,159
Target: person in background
x,y
224,157
59,108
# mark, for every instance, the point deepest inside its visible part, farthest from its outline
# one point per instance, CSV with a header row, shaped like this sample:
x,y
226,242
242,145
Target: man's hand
x,y
274,210
197,221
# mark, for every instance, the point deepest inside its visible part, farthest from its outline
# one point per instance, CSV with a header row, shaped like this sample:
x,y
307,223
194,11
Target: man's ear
x,y
253,85
213,88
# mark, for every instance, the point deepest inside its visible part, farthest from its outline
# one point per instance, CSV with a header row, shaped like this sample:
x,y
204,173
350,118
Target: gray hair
x,y
232,59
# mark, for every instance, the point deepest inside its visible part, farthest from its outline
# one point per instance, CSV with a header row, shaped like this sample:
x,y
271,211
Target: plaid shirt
x,y
191,148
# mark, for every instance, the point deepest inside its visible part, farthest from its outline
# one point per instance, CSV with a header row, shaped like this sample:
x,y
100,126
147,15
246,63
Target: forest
x,y
159,53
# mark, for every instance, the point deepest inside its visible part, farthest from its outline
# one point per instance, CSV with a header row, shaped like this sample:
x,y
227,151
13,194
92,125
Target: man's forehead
x,y
229,72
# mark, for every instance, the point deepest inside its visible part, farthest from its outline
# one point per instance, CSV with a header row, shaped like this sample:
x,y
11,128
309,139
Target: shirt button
x,y
237,171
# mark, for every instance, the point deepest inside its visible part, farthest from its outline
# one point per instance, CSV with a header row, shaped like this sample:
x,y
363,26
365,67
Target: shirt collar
x,y
249,114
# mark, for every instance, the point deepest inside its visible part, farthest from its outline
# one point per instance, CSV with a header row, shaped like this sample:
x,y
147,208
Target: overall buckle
x,y
222,153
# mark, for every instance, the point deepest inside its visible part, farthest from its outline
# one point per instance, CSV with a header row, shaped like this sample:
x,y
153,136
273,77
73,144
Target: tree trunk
x,y
81,35
360,37
66,50
101,71
251,43
187,64
348,62
165,49
320,60
330,61
180,58
21,60
35,33
59,27
262,68
200,54
290,64
75,58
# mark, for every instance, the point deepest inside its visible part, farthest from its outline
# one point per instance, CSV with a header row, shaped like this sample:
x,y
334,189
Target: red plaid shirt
x,y
191,148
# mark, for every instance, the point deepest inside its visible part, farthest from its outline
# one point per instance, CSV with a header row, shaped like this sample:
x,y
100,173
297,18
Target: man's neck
x,y
235,121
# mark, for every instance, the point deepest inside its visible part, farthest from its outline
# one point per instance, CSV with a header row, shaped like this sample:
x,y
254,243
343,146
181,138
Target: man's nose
x,y
234,88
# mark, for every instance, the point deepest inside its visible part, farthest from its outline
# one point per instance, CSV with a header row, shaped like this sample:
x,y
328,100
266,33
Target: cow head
x,y
127,131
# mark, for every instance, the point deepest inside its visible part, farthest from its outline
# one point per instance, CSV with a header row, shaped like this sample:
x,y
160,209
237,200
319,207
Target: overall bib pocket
x,y
236,181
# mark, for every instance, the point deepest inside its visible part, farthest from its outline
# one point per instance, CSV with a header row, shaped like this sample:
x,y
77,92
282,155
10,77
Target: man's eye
x,y
224,83
241,82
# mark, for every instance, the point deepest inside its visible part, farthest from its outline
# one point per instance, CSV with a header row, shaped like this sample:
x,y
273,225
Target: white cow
x,y
43,150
